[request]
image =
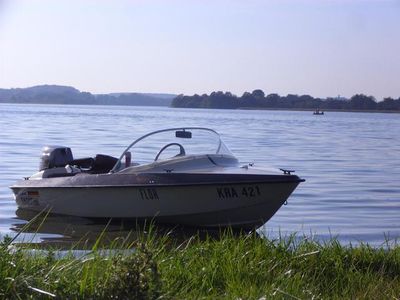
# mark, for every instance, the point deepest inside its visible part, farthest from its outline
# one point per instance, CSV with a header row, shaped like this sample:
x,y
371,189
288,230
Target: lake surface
x,y
351,161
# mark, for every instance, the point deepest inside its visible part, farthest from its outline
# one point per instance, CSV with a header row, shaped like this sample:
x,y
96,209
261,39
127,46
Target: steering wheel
x,y
181,150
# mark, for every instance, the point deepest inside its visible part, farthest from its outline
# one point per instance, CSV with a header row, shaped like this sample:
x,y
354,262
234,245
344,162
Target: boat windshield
x,y
167,143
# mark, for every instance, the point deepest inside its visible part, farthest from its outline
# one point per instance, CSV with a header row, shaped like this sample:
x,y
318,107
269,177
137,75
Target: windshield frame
x,y
118,163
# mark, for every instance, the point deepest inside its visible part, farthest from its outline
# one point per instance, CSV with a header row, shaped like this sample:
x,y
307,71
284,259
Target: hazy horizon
x,y
321,48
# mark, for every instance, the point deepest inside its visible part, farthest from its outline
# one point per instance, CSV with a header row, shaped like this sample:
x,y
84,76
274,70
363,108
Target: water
x,y
350,161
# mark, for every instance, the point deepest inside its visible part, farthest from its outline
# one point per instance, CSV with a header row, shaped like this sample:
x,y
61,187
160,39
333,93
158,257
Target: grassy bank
x,y
229,267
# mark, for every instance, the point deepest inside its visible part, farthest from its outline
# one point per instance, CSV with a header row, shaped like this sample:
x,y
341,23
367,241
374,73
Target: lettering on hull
x,y
232,192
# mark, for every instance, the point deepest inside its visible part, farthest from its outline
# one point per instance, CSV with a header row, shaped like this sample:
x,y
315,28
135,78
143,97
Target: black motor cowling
x,y
55,156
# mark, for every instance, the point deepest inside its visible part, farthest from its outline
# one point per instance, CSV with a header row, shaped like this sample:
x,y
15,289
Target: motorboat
x,y
318,112
184,176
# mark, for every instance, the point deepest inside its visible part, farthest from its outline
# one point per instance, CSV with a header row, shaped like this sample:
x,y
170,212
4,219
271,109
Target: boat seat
x,y
85,163
103,164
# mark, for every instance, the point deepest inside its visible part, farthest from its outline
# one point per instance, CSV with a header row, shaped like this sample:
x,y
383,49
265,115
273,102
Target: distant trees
x,y
214,100
362,102
258,99
389,104
55,94
221,100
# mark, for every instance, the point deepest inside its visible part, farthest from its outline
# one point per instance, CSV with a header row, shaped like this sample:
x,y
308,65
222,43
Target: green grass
x,y
229,267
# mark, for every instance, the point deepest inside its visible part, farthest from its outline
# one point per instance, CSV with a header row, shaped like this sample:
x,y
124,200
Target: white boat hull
x,y
246,205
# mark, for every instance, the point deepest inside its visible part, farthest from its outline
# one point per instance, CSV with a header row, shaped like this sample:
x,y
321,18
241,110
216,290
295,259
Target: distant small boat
x,y
318,112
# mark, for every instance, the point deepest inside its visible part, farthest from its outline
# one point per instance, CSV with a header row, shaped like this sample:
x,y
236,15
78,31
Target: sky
x,y
322,48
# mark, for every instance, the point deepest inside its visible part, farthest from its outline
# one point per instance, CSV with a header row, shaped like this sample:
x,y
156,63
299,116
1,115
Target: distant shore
x,y
258,100
323,110
56,94
239,108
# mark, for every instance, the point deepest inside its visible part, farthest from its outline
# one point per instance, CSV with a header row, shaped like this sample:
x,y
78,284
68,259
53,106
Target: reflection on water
x,y
62,232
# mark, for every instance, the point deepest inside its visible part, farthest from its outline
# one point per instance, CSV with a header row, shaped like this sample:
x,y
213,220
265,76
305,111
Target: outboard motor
x,y
55,156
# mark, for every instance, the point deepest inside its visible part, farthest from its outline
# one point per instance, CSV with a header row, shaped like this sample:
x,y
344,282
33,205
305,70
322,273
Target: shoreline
x,y
205,108
323,110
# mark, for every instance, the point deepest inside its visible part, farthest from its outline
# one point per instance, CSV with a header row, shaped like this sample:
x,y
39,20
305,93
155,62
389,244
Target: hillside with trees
x,y
258,100
56,94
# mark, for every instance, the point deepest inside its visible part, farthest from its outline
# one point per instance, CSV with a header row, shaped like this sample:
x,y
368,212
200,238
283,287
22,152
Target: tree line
x,y
57,94
258,99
